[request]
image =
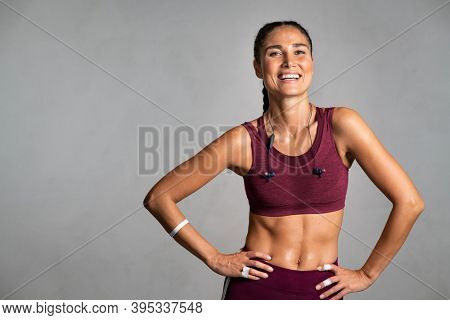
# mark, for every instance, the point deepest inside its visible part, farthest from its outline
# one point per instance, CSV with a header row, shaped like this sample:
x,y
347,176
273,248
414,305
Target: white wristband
x,y
178,227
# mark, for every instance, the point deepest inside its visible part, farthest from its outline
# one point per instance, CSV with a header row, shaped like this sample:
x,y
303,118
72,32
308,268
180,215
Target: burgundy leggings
x,y
282,284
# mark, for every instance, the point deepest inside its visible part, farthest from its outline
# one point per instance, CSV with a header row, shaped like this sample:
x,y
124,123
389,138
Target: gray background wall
x,y
71,225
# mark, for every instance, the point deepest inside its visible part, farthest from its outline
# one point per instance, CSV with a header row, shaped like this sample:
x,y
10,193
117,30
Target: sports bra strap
x,y
250,127
261,129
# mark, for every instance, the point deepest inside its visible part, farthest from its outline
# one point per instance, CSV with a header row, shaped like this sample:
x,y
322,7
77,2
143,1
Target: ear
x,y
257,67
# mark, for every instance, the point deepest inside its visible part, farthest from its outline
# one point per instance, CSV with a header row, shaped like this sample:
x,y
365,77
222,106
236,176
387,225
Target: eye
x,y
275,52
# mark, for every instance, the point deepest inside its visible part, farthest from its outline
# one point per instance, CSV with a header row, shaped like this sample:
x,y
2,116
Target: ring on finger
x,y
327,282
245,272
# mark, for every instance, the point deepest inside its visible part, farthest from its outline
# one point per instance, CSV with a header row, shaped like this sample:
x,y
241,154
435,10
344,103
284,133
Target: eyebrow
x,y
277,46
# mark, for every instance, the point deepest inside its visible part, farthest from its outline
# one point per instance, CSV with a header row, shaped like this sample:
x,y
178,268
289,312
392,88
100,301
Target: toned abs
x,y
298,242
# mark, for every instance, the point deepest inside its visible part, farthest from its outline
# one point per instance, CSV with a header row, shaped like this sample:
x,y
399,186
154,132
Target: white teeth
x,y
289,76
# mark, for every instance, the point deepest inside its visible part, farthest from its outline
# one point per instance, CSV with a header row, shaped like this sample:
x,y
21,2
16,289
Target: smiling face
x,y
285,51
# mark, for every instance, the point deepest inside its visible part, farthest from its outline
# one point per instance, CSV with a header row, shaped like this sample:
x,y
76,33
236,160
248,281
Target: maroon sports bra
x,y
295,189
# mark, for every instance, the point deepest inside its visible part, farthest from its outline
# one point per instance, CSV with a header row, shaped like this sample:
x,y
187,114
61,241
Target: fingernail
x,y
317,287
326,267
266,276
269,257
321,296
271,269
319,268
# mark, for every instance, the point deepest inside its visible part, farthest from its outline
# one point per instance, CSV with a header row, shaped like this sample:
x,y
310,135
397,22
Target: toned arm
x,y
188,177
389,177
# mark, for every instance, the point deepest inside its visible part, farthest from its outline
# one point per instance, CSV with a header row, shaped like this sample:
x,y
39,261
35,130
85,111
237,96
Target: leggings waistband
x,y
297,281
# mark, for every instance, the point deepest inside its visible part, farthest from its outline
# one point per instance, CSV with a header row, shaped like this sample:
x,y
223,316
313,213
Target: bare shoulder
x,y
239,134
238,141
347,123
343,116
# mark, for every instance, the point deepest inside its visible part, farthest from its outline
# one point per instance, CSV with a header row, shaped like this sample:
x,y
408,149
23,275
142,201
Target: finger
x,y
258,254
252,277
329,292
259,265
260,274
255,274
327,282
340,295
328,267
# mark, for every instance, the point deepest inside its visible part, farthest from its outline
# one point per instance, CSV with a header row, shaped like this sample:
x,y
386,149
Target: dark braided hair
x,y
259,42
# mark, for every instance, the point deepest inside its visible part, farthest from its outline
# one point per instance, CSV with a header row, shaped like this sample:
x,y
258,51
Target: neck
x,y
290,115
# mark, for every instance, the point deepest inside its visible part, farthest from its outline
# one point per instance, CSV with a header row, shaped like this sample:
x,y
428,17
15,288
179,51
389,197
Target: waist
x,y
290,260
294,281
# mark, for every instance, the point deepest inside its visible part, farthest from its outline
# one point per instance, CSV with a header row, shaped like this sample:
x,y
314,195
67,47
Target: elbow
x,y
413,205
155,201
146,201
417,205
149,202
421,206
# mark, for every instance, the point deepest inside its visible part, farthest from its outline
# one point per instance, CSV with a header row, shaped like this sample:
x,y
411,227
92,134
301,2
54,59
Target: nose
x,y
287,61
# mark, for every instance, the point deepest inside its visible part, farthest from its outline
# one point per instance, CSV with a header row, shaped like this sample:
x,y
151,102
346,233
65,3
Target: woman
x,y
294,160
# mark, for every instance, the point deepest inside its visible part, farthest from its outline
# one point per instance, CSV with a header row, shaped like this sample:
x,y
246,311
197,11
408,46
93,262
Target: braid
x,y
265,98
